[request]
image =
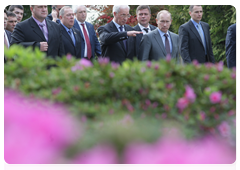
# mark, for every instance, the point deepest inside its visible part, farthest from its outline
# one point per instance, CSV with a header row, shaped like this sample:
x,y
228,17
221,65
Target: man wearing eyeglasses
x,y
54,16
117,38
160,43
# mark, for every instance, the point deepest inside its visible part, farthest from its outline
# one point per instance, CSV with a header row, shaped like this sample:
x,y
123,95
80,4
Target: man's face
x,y
19,14
39,12
143,17
81,14
164,22
122,16
196,13
11,23
58,8
5,20
68,18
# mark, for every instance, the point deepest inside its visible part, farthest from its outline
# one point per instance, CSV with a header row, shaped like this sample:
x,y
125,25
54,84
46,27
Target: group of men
x,y
66,31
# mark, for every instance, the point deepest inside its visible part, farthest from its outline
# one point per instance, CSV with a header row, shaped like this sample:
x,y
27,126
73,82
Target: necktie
x,y
72,36
5,41
44,33
201,35
89,49
146,29
124,41
167,45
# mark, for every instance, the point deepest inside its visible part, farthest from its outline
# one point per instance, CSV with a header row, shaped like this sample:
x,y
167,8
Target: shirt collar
x,y
117,25
162,33
66,28
38,22
141,27
81,22
195,23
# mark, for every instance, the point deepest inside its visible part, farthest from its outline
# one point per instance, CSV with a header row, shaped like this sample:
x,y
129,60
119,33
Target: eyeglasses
x,y
125,15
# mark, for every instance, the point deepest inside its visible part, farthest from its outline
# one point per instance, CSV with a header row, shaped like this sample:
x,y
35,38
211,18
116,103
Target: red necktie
x,y
89,49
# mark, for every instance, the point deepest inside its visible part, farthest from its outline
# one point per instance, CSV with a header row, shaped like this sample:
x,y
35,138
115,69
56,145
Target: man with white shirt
x,y
143,13
160,43
90,44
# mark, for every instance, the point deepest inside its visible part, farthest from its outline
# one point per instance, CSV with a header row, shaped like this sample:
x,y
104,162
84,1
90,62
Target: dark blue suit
x,y
68,43
95,45
231,46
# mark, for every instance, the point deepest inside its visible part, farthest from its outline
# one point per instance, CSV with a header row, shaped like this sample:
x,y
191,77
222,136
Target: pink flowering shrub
x,y
215,97
36,132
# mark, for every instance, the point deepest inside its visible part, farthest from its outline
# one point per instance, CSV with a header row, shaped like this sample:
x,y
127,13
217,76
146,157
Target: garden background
x,y
135,113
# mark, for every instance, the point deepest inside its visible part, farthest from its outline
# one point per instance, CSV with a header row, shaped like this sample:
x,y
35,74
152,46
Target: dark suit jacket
x,y
191,46
111,41
231,46
28,33
139,37
68,43
95,45
8,35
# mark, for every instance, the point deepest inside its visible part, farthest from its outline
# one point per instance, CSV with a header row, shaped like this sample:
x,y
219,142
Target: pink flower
x,y
56,91
101,154
69,56
215,97
111,74
114,65
156,67
202,116
36,132
82,64
195,62
219,66
206,77
103,60
224,129
189,94
182,103
149,63
168,58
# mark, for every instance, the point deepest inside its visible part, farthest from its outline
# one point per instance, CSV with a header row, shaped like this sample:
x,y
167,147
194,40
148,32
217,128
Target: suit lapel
x,y
194,30
173,40
76,25
113,28
66,35
36,29
159,41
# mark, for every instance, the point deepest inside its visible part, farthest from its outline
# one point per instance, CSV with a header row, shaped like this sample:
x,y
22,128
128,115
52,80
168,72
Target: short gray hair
x,y
61,12
76,9
163,11
116,8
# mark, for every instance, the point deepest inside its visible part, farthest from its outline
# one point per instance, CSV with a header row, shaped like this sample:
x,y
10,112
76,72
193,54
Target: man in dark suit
x,y
71,36
195,41
143,16
231,46
117,38
7,34
54,15
12,21
90,44
160,43
36,31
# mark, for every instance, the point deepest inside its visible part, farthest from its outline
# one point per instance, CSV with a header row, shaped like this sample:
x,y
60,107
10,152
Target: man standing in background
x,y
231,46
11,22
90,44
195,41
54,16
18,10
143,17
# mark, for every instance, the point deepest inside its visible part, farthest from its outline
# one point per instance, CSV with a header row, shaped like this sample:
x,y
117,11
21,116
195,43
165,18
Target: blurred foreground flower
x,y
82,64
215,97
36,132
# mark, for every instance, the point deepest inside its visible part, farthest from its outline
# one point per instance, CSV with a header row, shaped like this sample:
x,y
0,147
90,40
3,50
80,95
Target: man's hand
x,y
133,33
54,15
43,46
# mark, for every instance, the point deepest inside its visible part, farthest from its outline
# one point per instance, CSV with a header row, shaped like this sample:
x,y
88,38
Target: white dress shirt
x,y
142,28
79,23
6,38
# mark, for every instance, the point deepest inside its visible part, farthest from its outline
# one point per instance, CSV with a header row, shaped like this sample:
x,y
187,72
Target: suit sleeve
x,y
108,38
18,37
231,48
97,44
144,49
183,45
